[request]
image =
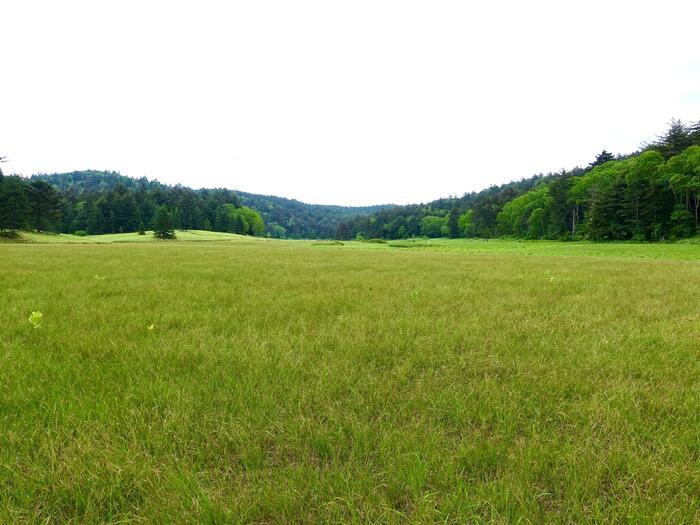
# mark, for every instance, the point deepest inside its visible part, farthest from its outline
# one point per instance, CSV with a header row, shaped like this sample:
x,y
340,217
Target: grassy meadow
x,y
65,238
262,381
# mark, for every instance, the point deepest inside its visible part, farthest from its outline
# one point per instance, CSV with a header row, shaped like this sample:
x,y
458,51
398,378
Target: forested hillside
x,y
97,202
652,194
92,202
444,217
297,220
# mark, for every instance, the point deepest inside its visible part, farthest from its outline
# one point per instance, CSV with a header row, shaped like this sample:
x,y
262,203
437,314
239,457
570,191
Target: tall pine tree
x,y
14,204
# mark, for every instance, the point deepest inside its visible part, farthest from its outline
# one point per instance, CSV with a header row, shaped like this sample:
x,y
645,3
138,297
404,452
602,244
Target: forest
x,y
90,203
97,202
651,195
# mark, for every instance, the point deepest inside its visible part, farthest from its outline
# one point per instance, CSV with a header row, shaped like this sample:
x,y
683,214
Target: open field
x,y
686,249
64,238
280,381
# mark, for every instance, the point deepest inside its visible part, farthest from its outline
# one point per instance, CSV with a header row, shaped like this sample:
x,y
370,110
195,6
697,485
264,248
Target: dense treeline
x,y
107,202
97,202
650,196
289,218
653,195
473,214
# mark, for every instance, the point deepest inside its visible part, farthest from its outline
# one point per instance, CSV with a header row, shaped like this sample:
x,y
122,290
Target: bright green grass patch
x,y
689,249
289,382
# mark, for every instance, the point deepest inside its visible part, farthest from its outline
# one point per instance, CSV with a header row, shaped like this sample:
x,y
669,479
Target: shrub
x,y
9,234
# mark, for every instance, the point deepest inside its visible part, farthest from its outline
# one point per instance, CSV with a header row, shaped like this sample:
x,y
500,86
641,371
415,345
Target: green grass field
x,y
63,238
311,382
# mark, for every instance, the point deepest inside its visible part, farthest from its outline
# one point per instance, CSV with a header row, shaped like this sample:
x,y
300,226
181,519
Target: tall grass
x,y
288,382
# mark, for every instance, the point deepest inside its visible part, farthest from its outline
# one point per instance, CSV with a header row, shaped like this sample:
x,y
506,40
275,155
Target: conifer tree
x,y
602,157
453,222
46,205
14,204
163,224
675,140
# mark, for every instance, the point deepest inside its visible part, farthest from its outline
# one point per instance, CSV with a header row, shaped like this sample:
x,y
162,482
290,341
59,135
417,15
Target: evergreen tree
x,y
605,218
602,157
223,221
453,222
639,206
695,133
14,204
163,223
187,207
558,210
675,140
343,233
45,202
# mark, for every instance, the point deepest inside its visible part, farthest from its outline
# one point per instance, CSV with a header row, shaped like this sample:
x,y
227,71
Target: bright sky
x,y
347,102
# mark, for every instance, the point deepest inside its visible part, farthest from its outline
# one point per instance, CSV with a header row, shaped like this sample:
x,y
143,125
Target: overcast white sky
x,y
352,102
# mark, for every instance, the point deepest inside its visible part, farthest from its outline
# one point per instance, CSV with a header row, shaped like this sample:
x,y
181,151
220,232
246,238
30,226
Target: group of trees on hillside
x,y
36,205
97,203
106,202
653,194
292,219
472,215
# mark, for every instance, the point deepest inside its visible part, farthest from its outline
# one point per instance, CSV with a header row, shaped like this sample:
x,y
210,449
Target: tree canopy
x,y
653,194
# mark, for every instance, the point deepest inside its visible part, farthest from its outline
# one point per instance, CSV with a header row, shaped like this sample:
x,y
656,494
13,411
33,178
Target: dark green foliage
x,y
677,138
560,210
400,222
640,197
164,223
46,205
106,202
15,208
650,195
606,217
305,221
343,232
453,222
602,157
623,197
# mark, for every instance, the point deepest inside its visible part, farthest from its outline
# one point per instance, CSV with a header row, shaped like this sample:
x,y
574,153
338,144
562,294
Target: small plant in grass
x,y
142,228
36,318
